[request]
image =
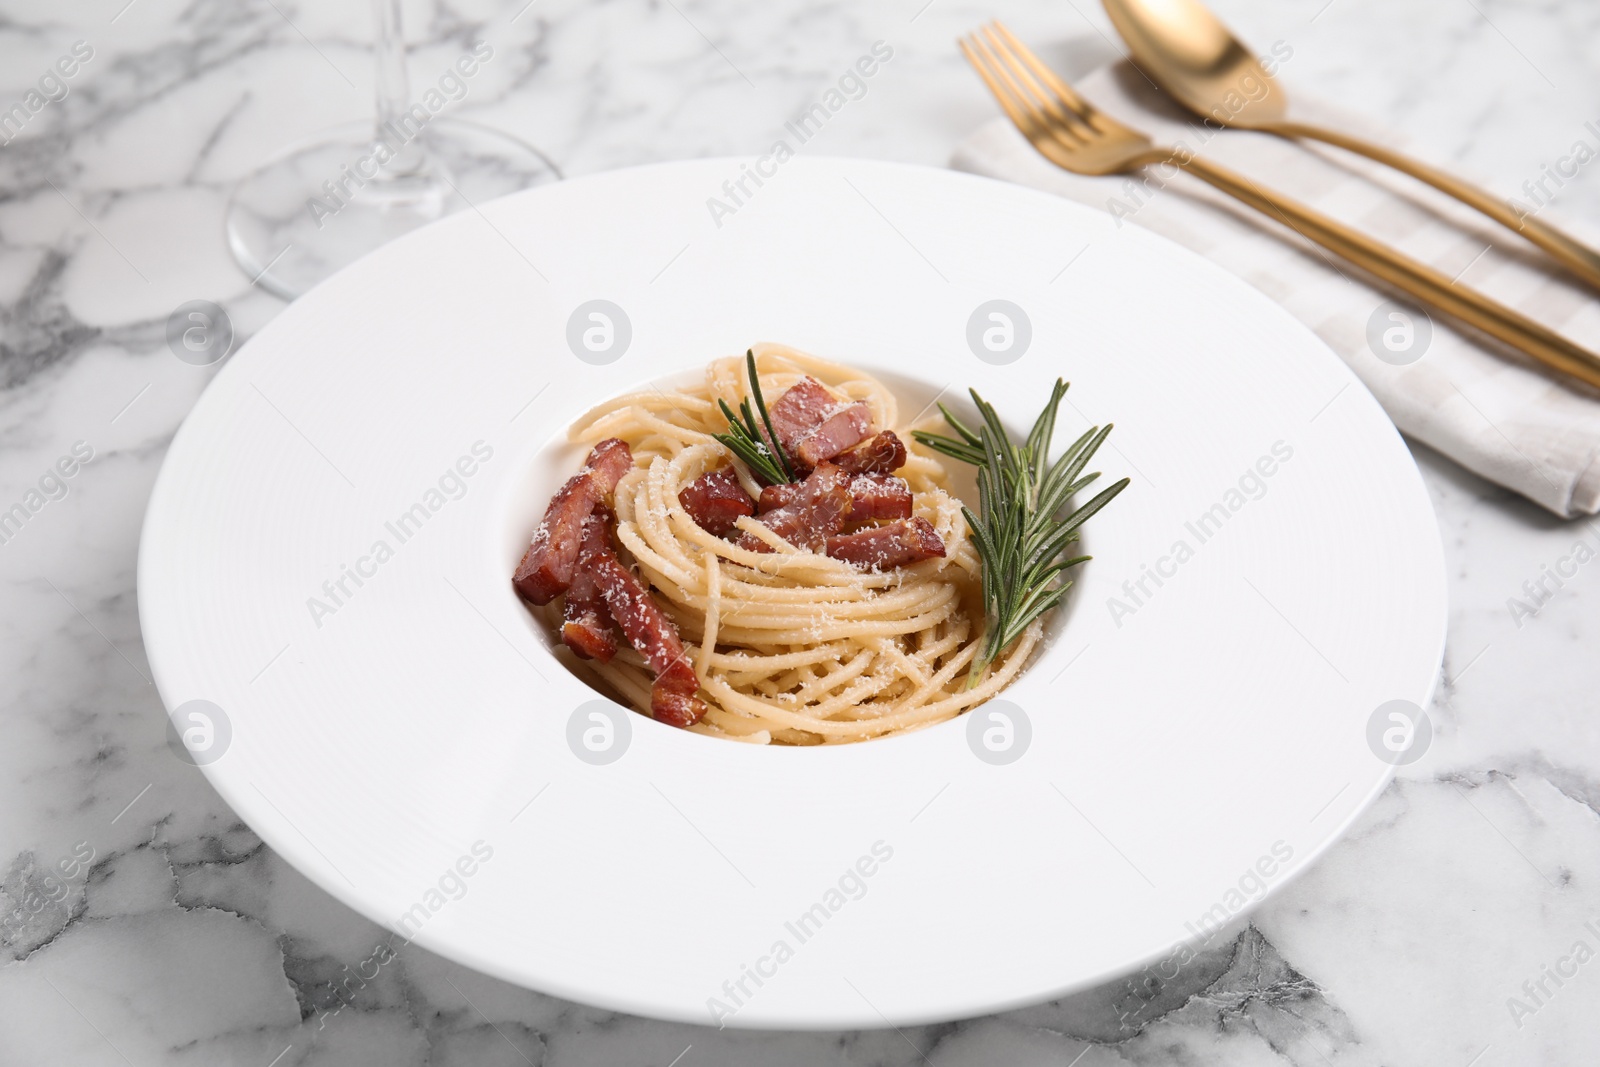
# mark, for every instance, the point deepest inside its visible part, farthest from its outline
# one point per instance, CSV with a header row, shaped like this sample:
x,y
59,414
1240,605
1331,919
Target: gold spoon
x,y
1182,46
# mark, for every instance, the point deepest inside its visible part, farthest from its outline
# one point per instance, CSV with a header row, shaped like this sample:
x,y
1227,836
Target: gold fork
x,y
1068,130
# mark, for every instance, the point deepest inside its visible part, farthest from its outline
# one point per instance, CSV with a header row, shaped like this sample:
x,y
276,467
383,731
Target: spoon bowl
x,y
1187,50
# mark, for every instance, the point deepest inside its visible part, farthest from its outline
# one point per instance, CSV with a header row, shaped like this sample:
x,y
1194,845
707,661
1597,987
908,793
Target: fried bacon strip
x,y
872,496
715,500
813,425
895,544
546,568
812,510
883,454
648,629
774,497
879,496
586,622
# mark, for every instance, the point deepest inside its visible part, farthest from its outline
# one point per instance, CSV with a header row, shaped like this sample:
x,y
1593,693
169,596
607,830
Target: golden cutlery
x,y
1067,130
1184,49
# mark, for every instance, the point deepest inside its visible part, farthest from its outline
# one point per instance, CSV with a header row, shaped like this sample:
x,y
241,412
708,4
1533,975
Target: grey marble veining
x,y
141,923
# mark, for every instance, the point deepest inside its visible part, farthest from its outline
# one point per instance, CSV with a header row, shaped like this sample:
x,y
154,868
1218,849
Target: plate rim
x,y
162,661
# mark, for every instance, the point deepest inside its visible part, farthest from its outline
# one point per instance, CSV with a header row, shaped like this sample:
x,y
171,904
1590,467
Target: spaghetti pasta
x,y
792,646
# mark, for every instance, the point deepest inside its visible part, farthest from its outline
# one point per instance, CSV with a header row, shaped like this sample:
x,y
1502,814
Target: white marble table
x,y
142,923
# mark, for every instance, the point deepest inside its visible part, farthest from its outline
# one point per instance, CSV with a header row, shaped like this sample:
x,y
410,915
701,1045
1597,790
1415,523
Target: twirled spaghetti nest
x,y
793,647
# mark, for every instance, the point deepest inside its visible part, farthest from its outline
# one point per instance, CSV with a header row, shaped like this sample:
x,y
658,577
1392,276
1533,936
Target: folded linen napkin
x,y
1495,413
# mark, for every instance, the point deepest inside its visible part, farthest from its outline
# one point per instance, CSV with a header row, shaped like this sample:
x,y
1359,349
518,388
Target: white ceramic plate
x,y
1189,751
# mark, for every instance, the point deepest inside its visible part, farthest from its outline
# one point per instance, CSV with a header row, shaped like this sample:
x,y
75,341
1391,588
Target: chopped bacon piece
x,y
884,454
672,698
546,568
675,709
813,425
586,627
879,496
845,427
878,548
816,508
774,497
872,496
586,623
715,500
609,461
800,410
651,631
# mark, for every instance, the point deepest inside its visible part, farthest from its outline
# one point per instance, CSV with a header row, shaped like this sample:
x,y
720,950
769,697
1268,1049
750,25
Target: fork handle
x,y
1581,260
1404,273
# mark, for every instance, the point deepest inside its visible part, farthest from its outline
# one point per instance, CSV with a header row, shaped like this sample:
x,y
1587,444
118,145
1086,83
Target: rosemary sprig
x,y
1019,537
744,437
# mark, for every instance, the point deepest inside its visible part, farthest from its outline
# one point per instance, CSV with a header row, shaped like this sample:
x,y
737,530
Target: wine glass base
x,y
311,211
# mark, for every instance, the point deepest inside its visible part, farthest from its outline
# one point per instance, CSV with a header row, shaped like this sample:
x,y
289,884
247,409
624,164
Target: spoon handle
x,y
1581,260
1424,283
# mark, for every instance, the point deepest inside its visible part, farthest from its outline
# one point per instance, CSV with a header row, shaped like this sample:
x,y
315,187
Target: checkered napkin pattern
x,y
1494,412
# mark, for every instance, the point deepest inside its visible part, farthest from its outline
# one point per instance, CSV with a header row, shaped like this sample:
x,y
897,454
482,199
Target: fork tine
x,y
1014,108
1080,107
1045,127
1041,121
1057,118
1065,123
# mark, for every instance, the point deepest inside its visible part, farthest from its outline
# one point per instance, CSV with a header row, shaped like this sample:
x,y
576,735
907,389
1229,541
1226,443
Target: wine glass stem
x,y
394,124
